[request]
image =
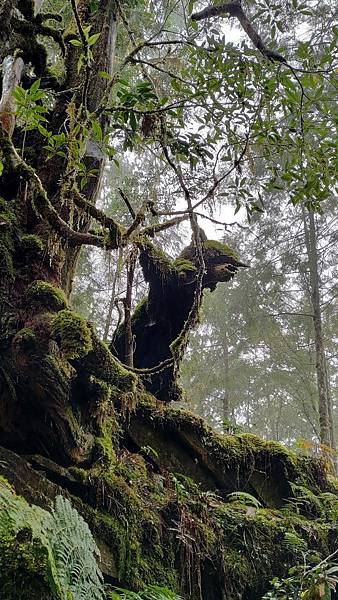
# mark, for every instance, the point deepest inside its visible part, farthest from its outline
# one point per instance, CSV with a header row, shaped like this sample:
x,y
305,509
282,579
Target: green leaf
x,y
133,121
93,39
18,93
97,130
75,42
104,75
35,86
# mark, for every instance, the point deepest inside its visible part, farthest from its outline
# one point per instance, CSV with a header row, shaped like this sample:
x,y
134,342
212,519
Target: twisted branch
x,y
234,9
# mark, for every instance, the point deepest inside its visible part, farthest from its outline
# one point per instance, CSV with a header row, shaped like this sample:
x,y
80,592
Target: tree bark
x,y
226,371
109,317
128,331
52,390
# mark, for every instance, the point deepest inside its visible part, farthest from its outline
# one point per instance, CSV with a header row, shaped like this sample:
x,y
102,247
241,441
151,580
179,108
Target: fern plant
x,y
74,552
293,542
73,572
244,498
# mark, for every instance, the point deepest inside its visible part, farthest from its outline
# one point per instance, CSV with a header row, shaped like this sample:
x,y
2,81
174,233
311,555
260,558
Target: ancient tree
x,y
79,85
55,133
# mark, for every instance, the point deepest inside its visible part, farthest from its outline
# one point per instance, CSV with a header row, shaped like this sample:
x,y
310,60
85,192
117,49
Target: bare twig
x,y
126,200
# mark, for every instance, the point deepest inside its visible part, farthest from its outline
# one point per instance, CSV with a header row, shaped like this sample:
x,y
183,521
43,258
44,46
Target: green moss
x,y
157,255
42,296
237,550
72,333
262,543
81,475
5,483
219,248
100,394
25,341
183,265
156,265
6,212
243,462
133,468
156,567
105,449
8,223
31,244
140,309
128,528
101,363
6,260
23,567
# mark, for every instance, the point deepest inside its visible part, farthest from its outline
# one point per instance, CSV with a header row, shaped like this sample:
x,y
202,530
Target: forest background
x,y
267,340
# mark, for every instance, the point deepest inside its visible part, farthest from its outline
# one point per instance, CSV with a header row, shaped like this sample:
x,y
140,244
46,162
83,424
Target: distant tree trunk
x,y
226,396
324,398
247,405
37,5
129,341
109,317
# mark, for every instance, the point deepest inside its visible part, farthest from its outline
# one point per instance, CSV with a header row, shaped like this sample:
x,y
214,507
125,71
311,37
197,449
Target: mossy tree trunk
x,y
44,221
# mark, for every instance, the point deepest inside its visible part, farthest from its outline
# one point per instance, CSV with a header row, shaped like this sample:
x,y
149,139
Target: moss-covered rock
x,y
23,567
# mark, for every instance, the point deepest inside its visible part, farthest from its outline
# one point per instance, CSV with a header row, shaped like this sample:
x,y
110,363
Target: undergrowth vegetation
x,y
56,549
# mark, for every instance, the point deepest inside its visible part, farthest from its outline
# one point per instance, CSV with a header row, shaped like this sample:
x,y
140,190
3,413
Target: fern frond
x,y
75,553
73,572
244,498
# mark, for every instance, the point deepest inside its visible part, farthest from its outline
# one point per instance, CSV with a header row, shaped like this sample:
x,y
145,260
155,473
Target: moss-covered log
x,y
223,464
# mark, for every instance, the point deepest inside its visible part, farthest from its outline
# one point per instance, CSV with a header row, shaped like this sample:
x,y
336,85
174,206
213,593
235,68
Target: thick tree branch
x,y
151,230
234,9
98,215
138,220
34,28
